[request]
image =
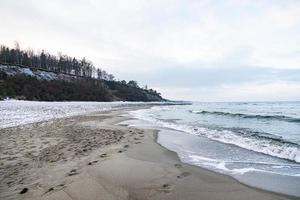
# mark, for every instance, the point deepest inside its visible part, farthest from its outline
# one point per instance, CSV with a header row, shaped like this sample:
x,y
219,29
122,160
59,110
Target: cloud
x,y
213,76
167,44
251,91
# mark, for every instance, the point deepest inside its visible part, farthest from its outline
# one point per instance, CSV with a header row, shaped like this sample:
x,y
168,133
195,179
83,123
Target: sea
x,y
257,143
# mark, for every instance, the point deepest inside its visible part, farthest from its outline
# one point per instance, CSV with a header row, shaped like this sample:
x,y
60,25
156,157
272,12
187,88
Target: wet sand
x,y
90,157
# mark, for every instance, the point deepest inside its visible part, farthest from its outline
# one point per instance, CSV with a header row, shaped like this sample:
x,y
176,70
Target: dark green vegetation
x,y
30,88
84,82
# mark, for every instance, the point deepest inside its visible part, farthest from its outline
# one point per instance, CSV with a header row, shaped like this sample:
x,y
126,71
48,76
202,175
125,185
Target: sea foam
x,y
265,145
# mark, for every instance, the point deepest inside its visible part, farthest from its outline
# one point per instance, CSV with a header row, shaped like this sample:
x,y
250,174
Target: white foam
x,y
218,165
266,146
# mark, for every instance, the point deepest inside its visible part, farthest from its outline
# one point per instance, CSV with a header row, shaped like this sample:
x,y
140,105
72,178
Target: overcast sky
x,y
205,50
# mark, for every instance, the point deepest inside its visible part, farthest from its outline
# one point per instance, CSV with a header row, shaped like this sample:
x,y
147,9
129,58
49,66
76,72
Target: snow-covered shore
x,y
15,112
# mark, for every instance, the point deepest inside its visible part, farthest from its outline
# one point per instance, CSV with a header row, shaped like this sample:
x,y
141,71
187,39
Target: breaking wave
x,y
248,116
251,140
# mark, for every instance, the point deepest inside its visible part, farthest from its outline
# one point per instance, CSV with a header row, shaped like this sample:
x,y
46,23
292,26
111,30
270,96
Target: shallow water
x,y
244,140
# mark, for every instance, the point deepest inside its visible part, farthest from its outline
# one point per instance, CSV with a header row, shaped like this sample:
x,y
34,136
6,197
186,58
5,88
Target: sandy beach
x,y
91,157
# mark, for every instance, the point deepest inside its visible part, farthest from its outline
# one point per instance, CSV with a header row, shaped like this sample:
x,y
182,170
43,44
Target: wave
x,y
246,132
223,166
217,164
254,141
249,116
251,140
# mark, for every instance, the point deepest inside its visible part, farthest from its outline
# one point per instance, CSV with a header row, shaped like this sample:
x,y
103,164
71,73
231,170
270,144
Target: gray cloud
x,y
181,76
170,45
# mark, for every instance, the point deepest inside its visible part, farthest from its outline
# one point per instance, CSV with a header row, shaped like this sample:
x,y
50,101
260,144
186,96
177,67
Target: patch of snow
x,y
26,71
15,112
39,74
46,75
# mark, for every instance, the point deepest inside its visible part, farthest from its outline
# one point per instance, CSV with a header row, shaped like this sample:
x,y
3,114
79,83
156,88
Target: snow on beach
x,y
14,112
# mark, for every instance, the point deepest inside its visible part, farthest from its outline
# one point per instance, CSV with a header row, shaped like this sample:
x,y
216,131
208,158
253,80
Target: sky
x,y
199,50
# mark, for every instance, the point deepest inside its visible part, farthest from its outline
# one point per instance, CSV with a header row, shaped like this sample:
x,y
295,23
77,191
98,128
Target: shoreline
x,y
258,181
228,176
130,166
156,134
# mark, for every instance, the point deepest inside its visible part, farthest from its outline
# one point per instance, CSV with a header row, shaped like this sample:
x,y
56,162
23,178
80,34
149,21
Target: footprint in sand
x,y
131,133
166,188
24,190
178,165
56,188
73,172
49,190
183,175
61,185
93,162
104,155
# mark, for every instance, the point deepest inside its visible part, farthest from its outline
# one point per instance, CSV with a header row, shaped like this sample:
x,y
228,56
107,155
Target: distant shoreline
x,y
20,112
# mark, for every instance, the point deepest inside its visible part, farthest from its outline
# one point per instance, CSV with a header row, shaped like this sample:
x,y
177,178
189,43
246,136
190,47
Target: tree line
x,y
59,64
